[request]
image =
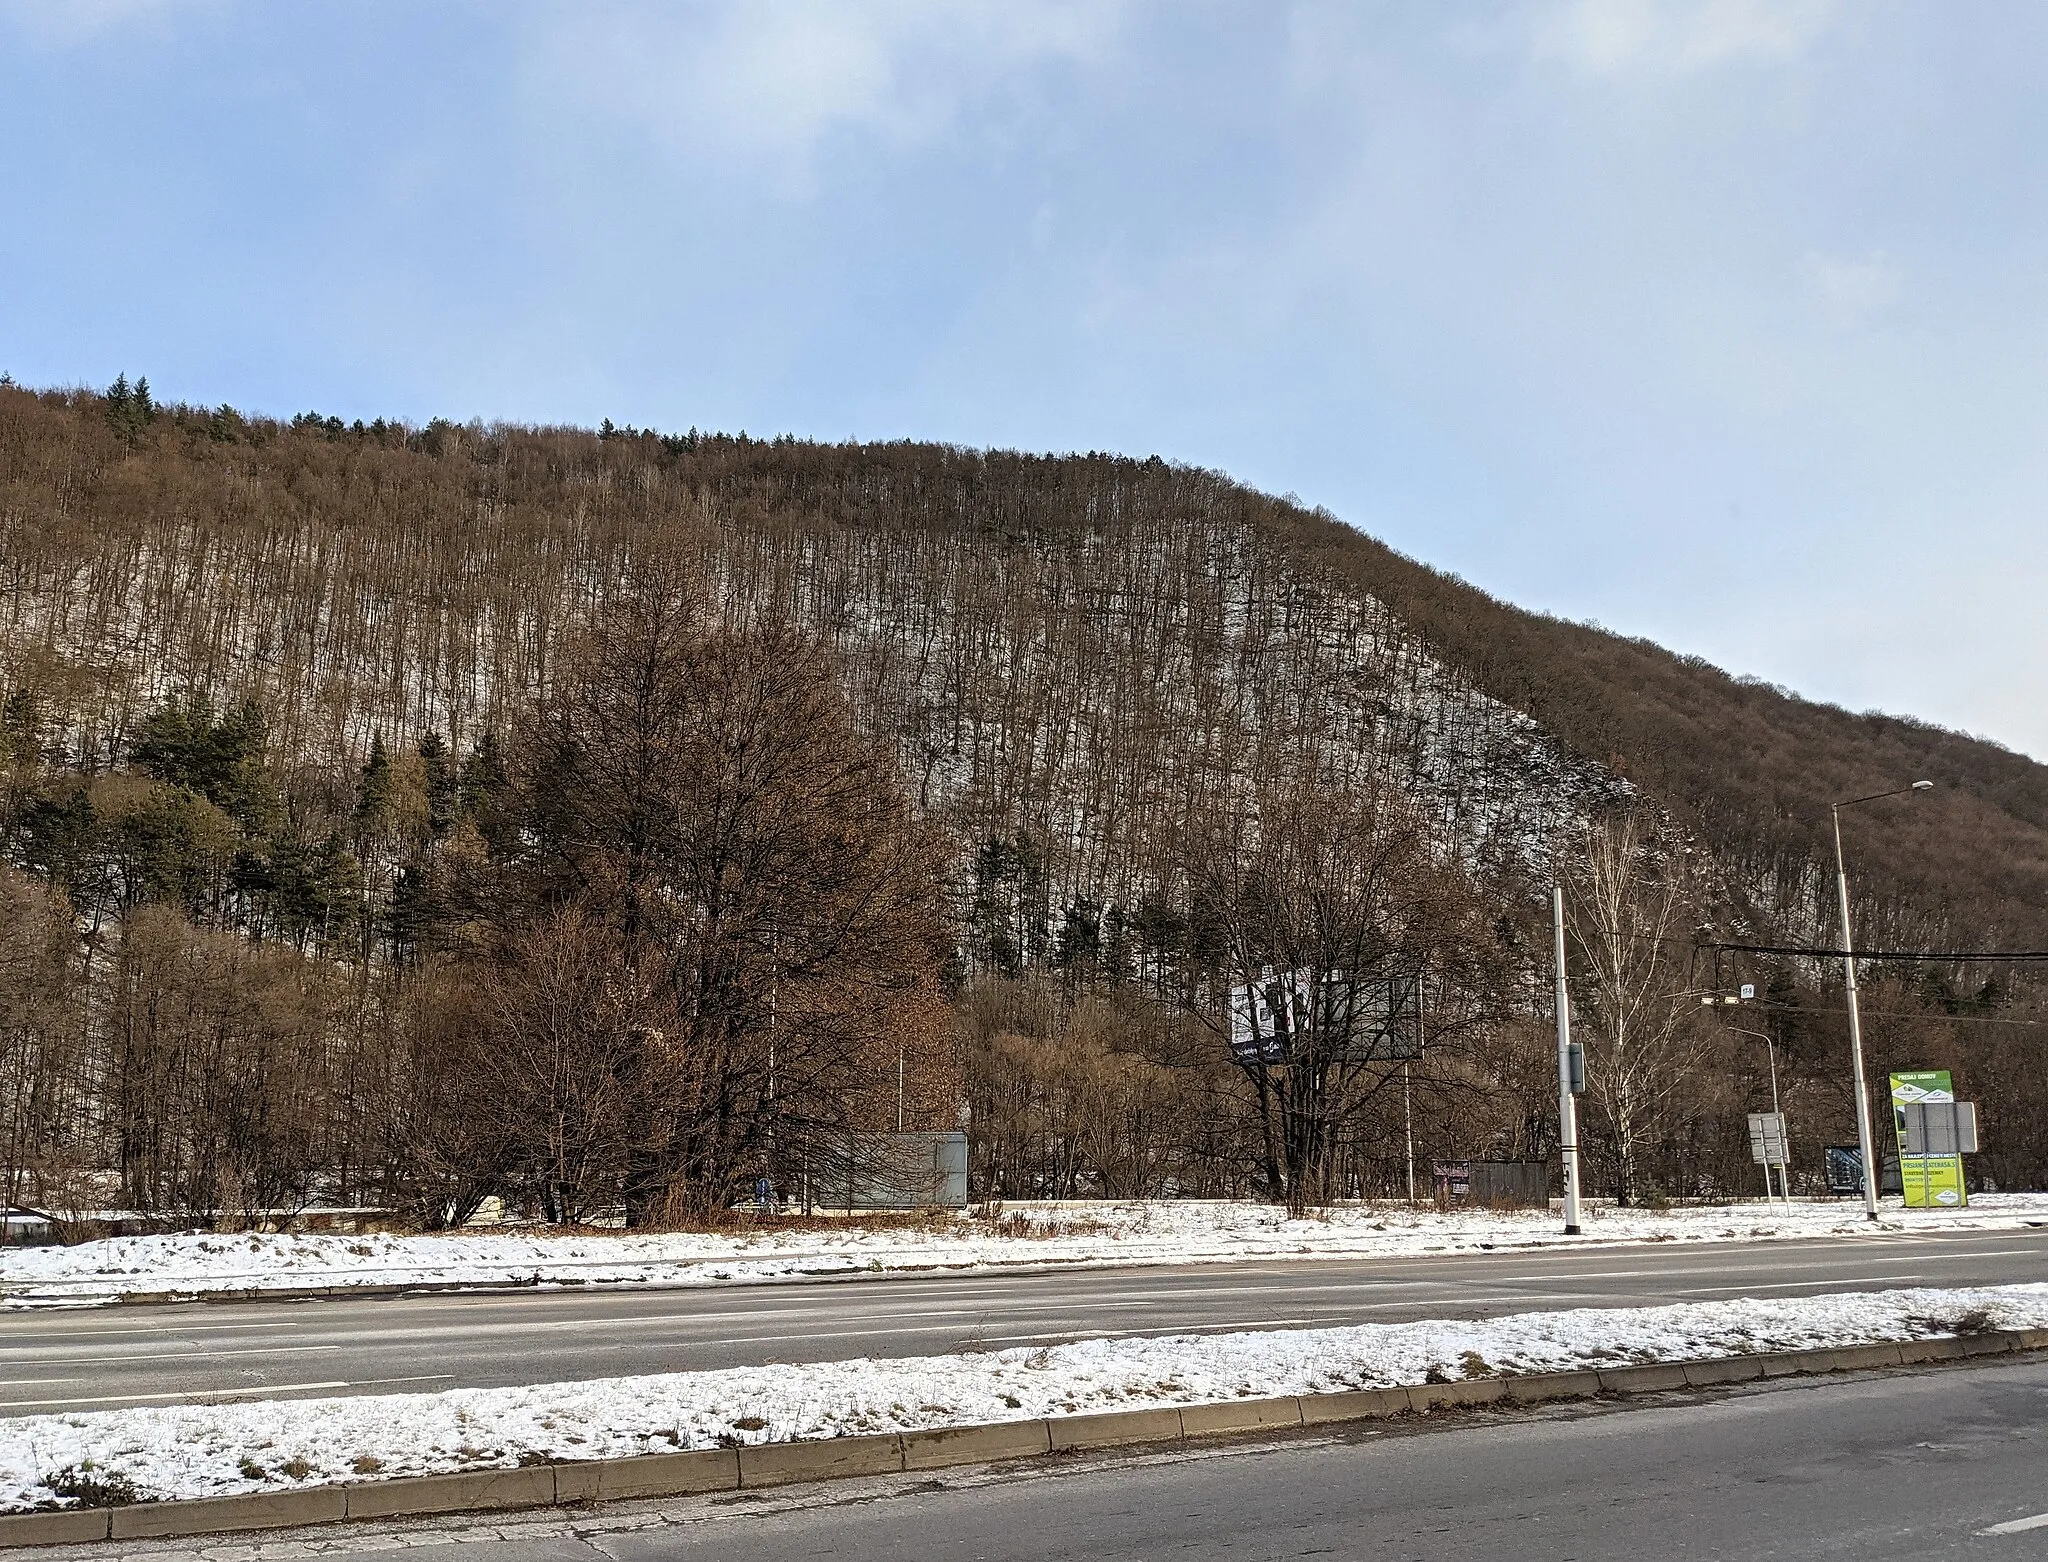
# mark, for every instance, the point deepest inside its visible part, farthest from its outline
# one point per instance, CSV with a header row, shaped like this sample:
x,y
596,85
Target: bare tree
x,y
770,892
1334,876
1631,905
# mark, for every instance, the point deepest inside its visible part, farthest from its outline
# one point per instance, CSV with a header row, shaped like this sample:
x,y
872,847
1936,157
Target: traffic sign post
x,y
1770,1146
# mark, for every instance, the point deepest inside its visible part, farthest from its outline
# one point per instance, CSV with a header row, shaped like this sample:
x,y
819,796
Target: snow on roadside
x,y
215,1450
1074,1233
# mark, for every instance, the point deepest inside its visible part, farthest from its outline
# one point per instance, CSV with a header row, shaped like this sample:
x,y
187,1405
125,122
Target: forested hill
x,y
1063,649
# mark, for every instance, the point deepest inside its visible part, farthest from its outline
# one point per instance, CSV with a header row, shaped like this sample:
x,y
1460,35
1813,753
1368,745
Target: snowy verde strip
x,y
1077,1233
53,1461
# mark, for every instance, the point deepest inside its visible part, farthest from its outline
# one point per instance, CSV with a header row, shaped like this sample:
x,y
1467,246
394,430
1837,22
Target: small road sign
x,y
1767,1140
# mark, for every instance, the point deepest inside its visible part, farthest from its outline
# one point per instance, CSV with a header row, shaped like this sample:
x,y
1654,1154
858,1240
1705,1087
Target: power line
x,y
1939,955
1903,1014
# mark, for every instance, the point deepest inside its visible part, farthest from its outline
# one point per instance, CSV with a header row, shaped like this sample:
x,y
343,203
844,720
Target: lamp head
x,y
1922,786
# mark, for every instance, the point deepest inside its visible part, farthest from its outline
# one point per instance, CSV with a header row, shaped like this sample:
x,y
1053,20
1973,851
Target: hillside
x,y
1080,664
1011,620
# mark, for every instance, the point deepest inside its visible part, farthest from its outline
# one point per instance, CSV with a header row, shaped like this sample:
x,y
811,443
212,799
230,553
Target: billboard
x,y
1929,1181
1286,1016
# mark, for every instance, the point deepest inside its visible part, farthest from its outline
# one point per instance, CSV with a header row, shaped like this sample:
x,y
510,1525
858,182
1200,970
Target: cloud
x,y
766,82
1617,37
1851,289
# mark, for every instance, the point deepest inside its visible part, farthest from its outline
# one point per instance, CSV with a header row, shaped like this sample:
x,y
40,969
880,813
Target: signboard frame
x,y
1927,1181
1295,1016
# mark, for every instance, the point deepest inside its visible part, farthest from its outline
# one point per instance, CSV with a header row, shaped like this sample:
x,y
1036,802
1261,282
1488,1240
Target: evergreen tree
x,y
373,791
444,783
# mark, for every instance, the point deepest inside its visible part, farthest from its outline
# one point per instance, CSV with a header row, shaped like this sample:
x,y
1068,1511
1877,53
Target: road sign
x,y
1768,1145
1748,991
1939,1127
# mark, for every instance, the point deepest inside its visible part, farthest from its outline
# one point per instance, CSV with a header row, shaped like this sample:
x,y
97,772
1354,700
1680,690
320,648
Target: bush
x,y
88,1485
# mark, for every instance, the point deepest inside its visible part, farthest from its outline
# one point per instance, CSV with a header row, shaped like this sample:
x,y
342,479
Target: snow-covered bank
x,y
213,1450
1090,1233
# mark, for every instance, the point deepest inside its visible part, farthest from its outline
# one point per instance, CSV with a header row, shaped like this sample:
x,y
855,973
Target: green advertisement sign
x,y
1930,1181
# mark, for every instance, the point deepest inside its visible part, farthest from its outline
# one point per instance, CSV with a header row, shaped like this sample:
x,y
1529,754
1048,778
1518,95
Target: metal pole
x,y
1863,1136
1408,1112
1785,1166
1567,1108
899,1090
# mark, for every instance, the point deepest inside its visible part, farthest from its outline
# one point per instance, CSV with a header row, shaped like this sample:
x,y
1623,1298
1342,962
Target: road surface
x,y
158,1355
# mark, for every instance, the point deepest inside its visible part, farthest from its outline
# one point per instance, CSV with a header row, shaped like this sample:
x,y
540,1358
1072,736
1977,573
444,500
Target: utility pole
x,y
1408,1112
1567,1107
1864,1146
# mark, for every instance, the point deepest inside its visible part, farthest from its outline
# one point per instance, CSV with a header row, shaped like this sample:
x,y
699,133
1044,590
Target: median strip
x,y
175,1470
250,1266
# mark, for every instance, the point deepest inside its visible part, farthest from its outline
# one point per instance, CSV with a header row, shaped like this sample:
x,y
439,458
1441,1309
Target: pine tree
x,y
373,792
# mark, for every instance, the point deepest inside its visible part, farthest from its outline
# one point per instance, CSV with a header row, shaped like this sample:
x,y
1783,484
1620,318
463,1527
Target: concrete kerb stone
x,y
944,1446
1946,1348
1861,1358
1649,1378
1114,1429
777,1464
1466,1391
257,1510
1723,1369
70,1527
1363,1404
725,1469
1239,1415
1994,1343
532,1486
1797,1363
1535,1387
649,1475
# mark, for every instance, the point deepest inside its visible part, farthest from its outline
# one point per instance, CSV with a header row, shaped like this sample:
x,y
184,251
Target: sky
x,y
1721,322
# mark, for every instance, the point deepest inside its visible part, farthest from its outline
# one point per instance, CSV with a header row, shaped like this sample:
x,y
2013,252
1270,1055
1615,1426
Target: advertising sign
x,y
1284,1016
1844,1164
1928,1181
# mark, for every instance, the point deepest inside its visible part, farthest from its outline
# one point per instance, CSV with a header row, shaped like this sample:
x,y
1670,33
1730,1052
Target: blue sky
x,y
1721,322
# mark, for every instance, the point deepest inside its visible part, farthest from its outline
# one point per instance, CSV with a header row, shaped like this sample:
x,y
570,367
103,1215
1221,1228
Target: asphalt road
x,y
156,1355
1928,1465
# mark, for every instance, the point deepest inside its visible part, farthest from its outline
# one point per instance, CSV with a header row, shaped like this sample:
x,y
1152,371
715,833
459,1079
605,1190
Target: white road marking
x,y
226,1326
2015,1526
264,1390
136,1399
1751,1287
111,1360
1143,1334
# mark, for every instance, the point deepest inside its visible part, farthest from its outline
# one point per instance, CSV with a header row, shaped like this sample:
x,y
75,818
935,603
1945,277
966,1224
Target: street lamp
x,y
1771,1052
1863,1138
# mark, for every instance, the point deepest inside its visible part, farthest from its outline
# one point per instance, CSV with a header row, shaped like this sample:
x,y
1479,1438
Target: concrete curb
x,y
774,1464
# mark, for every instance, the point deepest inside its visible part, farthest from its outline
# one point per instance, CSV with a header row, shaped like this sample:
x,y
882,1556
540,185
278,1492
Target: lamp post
x,y
1863,1137
1771,1052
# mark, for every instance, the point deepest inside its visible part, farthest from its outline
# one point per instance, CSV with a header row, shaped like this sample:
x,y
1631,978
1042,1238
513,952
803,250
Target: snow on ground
x,y
1072,1233
214,1450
